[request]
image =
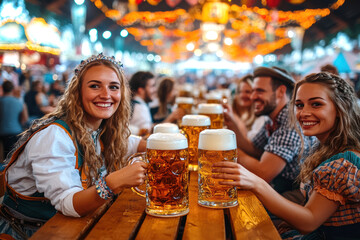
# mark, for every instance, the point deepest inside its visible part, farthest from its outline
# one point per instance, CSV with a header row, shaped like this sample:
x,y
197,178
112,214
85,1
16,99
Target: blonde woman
x,y
324,105
72,160
243,108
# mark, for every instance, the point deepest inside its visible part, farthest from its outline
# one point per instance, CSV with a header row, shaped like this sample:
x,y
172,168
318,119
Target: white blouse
x,y
47,165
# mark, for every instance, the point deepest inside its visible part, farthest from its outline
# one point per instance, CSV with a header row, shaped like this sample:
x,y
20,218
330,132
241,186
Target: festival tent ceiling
x,y
169,27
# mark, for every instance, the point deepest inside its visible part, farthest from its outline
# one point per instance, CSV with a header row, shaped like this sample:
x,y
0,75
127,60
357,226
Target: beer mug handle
x,y
137,157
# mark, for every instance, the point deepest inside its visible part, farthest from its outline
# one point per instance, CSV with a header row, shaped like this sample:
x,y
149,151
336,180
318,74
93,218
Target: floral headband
x,y
98,57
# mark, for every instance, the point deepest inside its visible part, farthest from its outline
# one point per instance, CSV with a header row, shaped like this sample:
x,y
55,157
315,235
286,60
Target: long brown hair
x,y
346,134
165,87
115,130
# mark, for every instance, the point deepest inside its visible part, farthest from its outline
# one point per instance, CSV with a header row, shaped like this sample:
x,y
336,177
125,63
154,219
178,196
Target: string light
x,y
244,20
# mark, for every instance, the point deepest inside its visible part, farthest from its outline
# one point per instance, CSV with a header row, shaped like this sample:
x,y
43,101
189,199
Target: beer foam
x,y
166,128
195,120
186,100
187,87
217,140
213,95
167,141
210,108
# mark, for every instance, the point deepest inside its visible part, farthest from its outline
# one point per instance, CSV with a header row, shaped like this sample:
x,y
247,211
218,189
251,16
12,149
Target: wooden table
x,y
125,218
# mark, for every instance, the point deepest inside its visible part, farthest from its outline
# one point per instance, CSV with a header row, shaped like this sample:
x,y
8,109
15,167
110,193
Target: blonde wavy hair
x,y
346,133
115,130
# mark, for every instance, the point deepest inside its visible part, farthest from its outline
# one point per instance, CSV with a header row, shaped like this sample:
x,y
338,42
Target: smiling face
x,y
263,96
243,97
100,91
315,111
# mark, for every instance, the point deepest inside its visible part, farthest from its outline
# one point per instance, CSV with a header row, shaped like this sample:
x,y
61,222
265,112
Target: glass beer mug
x,y
215,145
185,103
167,180
192,125
166,128
213,97
215,112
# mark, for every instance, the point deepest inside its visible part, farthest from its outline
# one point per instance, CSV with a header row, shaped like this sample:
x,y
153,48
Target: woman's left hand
x,y
239,175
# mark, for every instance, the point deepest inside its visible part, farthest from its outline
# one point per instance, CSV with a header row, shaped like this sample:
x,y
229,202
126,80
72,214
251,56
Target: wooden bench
x,y
125,218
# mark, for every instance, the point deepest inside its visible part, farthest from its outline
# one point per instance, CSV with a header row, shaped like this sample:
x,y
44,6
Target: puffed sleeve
x,y
52,156
133,143
338,178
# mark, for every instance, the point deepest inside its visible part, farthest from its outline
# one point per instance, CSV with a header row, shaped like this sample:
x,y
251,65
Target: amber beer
x,y
166,128
167,179
215,112
192,125
215,145
213,97
185,103
186,91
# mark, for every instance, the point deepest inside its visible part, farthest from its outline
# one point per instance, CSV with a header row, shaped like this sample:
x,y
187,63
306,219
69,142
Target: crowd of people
x,y
298,145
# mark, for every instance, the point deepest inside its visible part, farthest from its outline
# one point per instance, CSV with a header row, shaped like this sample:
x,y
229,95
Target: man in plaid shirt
x,y
274,153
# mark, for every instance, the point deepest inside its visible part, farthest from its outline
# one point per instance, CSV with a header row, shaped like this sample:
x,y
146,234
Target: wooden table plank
x,y
122,218
126,219
250,220
212,224
63,227
159,228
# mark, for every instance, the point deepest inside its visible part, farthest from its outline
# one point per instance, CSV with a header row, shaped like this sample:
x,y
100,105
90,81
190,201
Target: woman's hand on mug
x,y
130,176
239,175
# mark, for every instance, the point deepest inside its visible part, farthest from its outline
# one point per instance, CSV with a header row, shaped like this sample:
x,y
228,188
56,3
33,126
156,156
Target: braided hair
x,y
346,134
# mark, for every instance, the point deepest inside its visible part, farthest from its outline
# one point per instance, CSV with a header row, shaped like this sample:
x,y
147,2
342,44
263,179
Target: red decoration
x,y
273,3
248,3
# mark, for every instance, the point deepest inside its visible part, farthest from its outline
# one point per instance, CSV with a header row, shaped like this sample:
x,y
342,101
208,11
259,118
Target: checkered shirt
x,y
284,142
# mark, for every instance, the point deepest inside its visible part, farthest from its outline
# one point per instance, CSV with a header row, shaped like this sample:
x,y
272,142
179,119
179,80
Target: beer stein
x,y
215,112
226,95
215,145
186,90
185,103
166,128
192,125
214,97
167,175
